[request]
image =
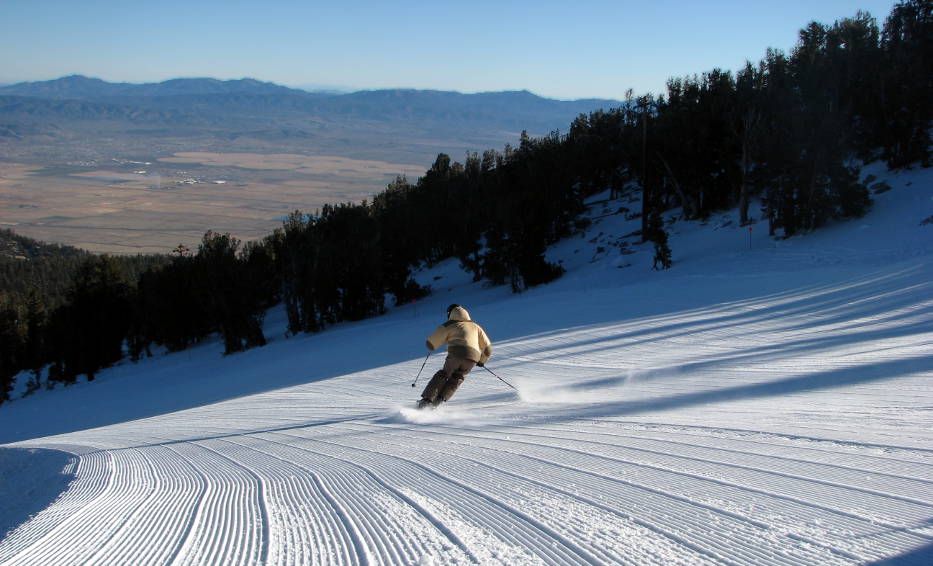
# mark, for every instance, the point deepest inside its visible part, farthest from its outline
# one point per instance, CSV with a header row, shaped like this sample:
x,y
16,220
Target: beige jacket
x,y
464,338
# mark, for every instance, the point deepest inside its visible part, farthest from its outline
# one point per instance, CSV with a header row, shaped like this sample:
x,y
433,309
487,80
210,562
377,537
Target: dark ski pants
x,y
446,381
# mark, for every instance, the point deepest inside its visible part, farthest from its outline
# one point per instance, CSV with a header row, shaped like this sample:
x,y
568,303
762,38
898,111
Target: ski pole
x,y
499,378
421,370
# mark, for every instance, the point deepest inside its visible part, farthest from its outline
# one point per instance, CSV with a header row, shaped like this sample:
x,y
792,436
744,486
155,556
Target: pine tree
x,y
93,325
35,354
223,283
907,84
10,349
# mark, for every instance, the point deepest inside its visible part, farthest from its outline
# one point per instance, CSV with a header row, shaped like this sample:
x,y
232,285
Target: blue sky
x,y
561,49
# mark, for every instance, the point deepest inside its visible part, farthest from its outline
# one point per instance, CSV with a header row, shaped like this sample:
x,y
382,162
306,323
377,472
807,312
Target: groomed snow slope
x,y
762,403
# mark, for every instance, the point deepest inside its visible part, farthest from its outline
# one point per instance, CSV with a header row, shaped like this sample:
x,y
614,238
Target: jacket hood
x,y
459,314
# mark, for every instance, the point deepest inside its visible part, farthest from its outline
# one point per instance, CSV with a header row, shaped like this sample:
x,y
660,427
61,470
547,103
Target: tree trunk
x,y
750,123
743,186
645,192
688,203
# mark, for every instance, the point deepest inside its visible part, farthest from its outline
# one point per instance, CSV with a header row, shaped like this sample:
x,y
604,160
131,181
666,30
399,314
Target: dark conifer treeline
x,y
64,308
790,130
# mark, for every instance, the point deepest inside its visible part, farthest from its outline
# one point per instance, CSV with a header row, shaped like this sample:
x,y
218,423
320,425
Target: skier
x,y
467,347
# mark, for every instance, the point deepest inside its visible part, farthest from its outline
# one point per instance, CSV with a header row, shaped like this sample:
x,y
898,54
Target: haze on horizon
x,y
587,49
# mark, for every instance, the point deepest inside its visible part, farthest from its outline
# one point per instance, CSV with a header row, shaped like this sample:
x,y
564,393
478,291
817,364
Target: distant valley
x,y
128,168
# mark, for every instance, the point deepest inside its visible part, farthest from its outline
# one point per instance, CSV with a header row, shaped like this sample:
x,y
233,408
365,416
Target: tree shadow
x,y
32,480
823,305
829,379
922,556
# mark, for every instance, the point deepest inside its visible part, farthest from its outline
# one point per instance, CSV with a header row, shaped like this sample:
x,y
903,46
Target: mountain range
x,y
81,87
255,115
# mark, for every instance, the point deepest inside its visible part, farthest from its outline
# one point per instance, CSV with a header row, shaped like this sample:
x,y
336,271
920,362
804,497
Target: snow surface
x,y
763,402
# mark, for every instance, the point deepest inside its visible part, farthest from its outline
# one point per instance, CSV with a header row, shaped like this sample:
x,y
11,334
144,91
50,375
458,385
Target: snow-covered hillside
x,y
763,402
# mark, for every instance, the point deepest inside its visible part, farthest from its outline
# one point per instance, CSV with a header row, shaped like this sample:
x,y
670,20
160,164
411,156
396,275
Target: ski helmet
x,y
450,308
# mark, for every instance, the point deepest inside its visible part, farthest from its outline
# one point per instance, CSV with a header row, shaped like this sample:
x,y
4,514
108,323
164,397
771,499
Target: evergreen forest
x,y
790,132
